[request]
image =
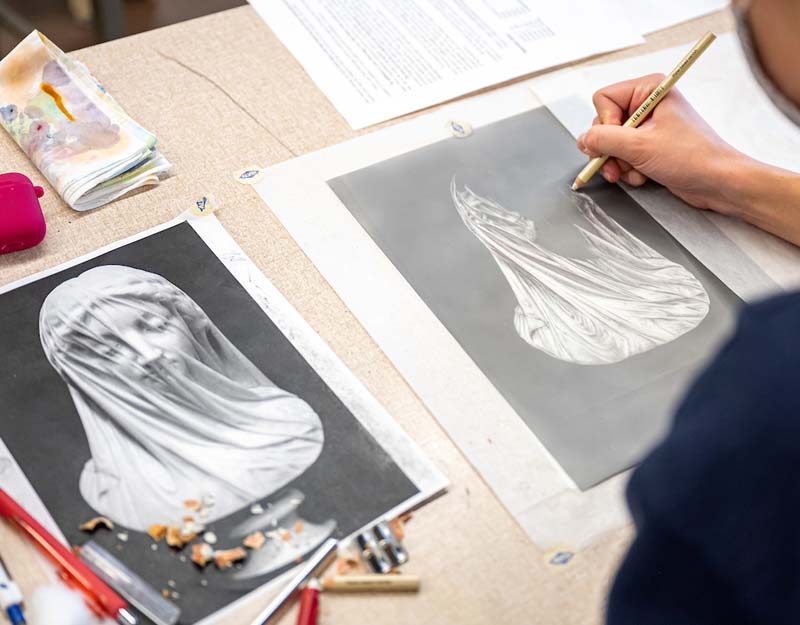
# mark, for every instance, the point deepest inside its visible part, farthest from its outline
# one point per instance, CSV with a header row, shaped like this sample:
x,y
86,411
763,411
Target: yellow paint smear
x,y
53,93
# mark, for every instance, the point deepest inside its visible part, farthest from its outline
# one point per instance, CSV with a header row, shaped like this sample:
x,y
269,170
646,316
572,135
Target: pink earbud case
x,y
21,219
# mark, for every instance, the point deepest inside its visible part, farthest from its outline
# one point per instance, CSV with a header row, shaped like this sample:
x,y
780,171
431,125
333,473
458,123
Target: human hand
x,y
674,146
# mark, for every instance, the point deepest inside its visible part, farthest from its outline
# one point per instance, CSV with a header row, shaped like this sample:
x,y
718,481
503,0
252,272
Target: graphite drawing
x,y
624,300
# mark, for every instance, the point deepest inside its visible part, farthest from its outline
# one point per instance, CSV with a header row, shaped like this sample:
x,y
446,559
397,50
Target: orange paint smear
x,y
53,93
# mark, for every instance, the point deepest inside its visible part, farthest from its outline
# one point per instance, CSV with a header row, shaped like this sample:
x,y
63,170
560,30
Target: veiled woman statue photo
x,y
172,410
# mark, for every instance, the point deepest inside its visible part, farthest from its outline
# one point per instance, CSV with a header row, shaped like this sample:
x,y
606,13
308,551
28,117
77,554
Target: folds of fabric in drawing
x,y
624,299
171,408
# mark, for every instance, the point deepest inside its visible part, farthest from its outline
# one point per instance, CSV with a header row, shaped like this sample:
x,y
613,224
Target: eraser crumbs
x,y
255,540
224,559
92,524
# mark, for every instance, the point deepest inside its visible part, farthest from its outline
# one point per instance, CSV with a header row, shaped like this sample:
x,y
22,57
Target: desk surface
x,y
222,93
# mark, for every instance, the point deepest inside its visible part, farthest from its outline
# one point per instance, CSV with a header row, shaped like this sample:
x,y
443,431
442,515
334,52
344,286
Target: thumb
x,y
618,141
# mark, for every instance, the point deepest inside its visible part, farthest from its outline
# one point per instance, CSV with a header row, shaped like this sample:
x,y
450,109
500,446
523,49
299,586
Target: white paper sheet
x,y
377,60
648,17
722,89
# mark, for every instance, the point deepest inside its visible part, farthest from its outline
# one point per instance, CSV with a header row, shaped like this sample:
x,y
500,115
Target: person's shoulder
x,y
753,384
767,334
738,421
779,309
724,474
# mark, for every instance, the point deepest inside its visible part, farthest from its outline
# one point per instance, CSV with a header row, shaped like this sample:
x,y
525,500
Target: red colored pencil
x,y
309,604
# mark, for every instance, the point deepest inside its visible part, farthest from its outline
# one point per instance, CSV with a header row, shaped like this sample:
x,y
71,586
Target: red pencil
x,y
99,597
309,604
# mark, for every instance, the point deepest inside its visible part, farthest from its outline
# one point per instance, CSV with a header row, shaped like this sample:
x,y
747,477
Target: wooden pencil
x,y
594,165
371,583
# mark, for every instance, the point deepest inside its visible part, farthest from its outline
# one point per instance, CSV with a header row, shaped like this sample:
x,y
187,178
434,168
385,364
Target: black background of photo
x,y
353,481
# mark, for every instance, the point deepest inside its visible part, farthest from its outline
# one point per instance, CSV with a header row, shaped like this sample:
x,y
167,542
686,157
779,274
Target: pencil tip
x,y
575,186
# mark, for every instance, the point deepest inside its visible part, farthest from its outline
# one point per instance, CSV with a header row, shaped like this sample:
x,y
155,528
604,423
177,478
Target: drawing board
x,y
380,218
581,310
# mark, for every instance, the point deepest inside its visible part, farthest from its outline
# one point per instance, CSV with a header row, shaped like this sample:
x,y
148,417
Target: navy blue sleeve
x,y
717,503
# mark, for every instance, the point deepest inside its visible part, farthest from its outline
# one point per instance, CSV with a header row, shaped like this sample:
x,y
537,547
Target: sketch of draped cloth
x,y
172,410
623,300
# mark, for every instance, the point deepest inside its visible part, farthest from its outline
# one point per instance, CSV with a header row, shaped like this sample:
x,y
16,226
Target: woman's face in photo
x,y
140,335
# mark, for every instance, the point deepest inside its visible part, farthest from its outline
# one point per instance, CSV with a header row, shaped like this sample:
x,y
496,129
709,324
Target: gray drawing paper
x,y
598,414
149,374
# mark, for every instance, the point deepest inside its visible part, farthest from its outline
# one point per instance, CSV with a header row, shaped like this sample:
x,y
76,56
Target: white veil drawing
x,y
624,300
172,410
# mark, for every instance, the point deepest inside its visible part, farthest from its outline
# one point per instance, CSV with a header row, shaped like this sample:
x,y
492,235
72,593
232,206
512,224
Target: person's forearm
x,y
763,195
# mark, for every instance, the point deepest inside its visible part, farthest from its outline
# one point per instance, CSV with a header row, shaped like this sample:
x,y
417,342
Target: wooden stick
x,y
647,106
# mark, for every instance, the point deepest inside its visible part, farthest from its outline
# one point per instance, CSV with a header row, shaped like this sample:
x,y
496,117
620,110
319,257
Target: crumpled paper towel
x,y
71,128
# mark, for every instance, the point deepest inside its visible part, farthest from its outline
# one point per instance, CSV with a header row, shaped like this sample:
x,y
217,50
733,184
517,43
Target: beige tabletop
x,y
222,93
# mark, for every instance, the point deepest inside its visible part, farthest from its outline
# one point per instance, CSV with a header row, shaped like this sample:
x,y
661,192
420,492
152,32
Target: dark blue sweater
x,y
717,504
